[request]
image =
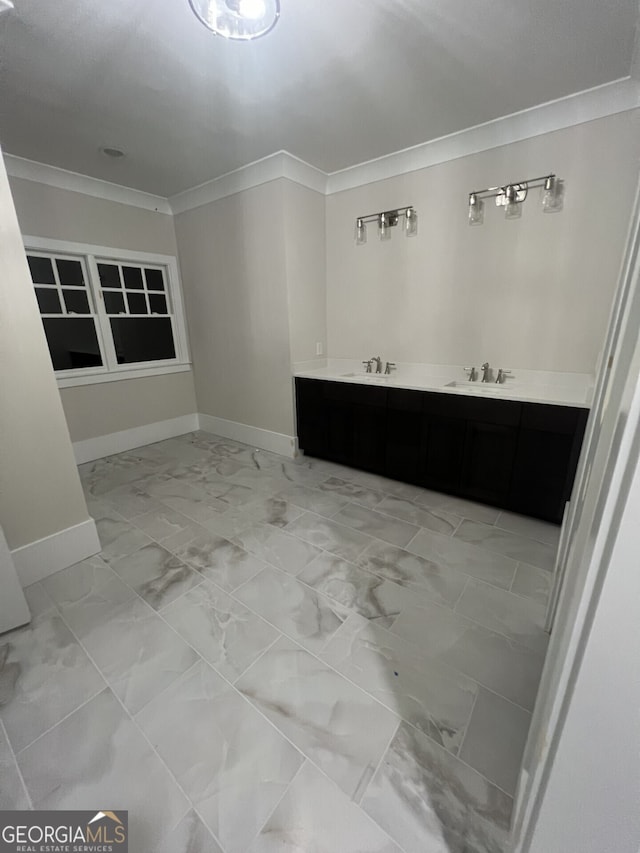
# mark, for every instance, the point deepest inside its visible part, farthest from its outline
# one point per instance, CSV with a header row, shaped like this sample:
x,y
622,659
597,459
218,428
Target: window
x,y
106,316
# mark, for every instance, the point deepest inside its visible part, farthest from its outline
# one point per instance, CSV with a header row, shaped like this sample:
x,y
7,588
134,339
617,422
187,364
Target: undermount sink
x,y
364,375
477,386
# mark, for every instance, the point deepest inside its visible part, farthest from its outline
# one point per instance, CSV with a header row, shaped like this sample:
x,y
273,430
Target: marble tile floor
x,y
283,655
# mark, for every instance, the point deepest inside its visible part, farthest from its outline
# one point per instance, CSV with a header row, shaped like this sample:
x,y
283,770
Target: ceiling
x,y
335,83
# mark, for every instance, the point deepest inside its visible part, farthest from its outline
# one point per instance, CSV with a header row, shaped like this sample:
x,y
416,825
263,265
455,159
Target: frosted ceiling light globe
x,y
240,20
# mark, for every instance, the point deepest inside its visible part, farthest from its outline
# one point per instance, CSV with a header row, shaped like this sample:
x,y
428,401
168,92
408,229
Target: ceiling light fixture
x,y
386,220
511,197
239,20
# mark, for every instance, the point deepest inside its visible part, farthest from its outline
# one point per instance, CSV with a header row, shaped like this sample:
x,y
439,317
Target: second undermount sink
x,y
477,386
365,375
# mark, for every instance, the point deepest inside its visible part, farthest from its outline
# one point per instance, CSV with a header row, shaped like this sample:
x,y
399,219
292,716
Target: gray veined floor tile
x,y
338,726
138,654
275,511
12,792
277,547
163,522
458,506
189,836
374,523
157,575
118,537
508,544
87,593
429,695
134,499
315,816
292,607
372,597
428,800
443,585
533,583
495,739
39,600
352,491
190,500
431,518
221,629
44,675
330,536
519,618
315,500
98,755
451,552
232,764
219,560
531,528
502,665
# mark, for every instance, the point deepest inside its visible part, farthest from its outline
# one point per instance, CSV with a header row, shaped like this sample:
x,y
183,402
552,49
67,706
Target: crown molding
x,y
281,164
618,96
52,176
599,102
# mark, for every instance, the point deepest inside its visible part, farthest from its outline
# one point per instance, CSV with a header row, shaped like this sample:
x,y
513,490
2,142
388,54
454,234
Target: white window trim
x,y
97,375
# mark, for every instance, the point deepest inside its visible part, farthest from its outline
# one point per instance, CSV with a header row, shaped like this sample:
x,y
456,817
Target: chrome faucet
x,y
368,364
472,373
486,370
390,366
502,376
378,362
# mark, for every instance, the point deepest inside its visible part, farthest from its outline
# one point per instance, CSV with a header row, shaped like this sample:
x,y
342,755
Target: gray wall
x,y
533,293
233,262
94,410
40,491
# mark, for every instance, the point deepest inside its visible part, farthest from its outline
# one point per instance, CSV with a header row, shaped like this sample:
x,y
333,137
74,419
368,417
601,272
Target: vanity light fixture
x,y
239,20
385,221
511,197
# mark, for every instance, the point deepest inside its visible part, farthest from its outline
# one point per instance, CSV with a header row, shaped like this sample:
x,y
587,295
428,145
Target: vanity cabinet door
x,y
356,425
546,459
311,415
489,450
405,447
444,432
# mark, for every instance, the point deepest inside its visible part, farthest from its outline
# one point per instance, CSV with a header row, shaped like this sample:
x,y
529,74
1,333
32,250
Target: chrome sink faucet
x,y
486,370
378,362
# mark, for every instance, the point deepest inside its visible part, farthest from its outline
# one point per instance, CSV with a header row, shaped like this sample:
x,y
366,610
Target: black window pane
x,y
70,272
109,275
76,301
137,303
48,301
142,339
155,279
41,270
114,303
157,303
133,278
72,342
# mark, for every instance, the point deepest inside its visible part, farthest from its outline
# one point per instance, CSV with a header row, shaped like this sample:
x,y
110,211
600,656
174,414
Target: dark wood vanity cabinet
x,y
518,456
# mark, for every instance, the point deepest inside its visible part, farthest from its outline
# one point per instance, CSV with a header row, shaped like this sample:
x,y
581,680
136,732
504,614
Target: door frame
x,y
590,517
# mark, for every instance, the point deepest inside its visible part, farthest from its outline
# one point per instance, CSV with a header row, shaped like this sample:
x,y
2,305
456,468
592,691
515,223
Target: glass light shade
x,y
241,20
513,208
361,232
384,231
411,222
476,210
552,201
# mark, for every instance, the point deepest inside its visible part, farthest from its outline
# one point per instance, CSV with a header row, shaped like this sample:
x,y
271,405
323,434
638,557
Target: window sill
x,y
117,376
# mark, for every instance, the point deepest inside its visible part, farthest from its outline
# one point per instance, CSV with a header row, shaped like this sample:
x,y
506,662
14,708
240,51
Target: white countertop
x,y
531,386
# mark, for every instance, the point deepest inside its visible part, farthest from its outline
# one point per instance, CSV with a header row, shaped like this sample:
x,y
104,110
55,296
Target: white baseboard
x,y
42,558
276,442
128,439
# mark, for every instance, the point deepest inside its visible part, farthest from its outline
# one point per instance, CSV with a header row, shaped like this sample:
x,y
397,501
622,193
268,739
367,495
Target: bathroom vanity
x,y
478,443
